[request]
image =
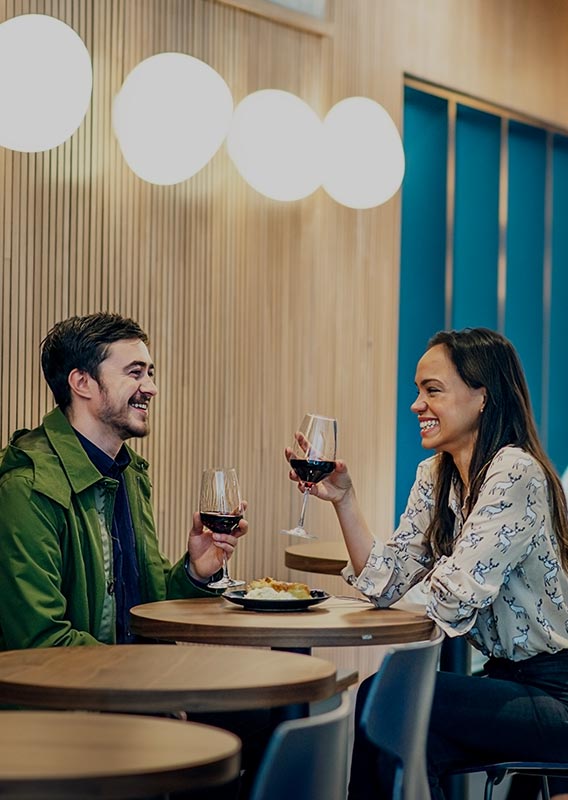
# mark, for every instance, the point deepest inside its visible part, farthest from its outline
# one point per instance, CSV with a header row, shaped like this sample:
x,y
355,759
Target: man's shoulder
x,y
30,457
24,447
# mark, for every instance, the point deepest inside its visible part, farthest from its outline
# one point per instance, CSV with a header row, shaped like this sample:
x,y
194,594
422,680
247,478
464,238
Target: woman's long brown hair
x,y
485,358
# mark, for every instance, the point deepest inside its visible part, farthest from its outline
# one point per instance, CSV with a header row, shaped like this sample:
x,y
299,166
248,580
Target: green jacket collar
x,y
67,455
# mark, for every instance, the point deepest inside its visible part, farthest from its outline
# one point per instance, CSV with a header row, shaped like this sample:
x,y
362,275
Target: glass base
x,y
225,583
299,532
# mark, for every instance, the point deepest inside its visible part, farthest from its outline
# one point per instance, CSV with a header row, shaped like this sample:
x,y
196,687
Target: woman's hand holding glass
x,y
312,458
333,488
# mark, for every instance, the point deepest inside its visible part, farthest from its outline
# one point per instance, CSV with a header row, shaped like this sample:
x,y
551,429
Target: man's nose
x,y
148,386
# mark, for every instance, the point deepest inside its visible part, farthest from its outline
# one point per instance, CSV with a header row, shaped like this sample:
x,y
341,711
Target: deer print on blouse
x,y
523,636
519,611
480,570
471,540
505,534
494,510
541,619
523,463
534,484
555,598
502,487
552,567
530,515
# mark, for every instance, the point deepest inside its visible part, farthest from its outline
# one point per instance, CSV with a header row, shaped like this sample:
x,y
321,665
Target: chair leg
x,y
545,789
397,788
489,783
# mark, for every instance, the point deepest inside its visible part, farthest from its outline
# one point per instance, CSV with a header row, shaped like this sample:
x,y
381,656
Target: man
x,y
78,545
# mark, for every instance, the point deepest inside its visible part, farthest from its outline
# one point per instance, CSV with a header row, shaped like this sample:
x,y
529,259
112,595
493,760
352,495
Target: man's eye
x,y
135,372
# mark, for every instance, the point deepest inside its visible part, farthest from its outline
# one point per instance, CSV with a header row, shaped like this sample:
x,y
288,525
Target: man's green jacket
x,y
55,541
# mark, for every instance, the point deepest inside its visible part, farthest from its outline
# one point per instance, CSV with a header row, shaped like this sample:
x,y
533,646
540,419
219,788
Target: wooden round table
x,y
48,754
336,622
327,558
162,678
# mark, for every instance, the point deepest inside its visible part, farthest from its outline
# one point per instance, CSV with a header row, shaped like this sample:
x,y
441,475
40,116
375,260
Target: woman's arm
x,y
382,571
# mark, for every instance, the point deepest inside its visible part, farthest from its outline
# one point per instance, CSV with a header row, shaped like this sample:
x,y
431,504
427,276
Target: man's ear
x,y
80,383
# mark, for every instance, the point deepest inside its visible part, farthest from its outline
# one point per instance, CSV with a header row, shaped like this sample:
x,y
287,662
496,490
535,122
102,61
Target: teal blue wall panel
x,y
532,310
557,433
525,252
476,219
422,270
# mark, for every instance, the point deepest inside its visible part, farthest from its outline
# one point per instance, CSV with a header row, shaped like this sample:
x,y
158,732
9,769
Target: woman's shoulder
x,y
427,468
515,459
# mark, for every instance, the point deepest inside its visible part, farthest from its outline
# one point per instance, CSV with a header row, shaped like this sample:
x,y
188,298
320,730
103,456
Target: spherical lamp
x,y
170,117
363,155
275,143
45,82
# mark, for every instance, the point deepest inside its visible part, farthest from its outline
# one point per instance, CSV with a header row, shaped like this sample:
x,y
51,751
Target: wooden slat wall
x,y
258,311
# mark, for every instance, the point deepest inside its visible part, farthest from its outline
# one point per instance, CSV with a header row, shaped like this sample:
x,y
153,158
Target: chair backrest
x,y
396,713
306,759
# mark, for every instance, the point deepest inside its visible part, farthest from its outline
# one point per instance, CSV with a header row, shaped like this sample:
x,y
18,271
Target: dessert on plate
x,y
270,589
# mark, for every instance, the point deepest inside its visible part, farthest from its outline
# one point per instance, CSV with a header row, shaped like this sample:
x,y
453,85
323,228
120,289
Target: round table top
x,y
335,622
161,678
79,754
327,558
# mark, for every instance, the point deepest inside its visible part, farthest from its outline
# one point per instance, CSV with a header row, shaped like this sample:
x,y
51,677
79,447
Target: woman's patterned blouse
x,y
503,586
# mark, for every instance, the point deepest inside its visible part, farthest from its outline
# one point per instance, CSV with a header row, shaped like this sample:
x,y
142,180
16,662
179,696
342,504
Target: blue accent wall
x,y
422,270
525,252
476,219
558,364
536,323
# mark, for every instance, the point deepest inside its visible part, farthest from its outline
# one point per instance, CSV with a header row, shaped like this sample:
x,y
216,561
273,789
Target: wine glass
x,y
221,510
313,457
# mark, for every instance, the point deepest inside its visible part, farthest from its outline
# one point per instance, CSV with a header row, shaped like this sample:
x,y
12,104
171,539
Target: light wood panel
x,y
258,311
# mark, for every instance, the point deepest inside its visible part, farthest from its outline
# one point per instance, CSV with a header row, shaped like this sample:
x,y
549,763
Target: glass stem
x,y
304,504
225,566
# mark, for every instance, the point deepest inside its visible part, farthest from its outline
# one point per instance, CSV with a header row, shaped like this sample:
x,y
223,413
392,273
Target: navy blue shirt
x,y
126,575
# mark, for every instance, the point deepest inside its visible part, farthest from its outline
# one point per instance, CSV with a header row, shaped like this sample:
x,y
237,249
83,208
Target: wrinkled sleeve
x,y
506,523
32,604
395,566
180,584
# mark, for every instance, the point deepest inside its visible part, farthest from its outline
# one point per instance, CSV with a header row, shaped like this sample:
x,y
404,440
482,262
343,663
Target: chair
x,y
306,758
498,772
396,713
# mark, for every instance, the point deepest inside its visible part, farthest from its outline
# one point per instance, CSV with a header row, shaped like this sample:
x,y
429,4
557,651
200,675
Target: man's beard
x,y
119,420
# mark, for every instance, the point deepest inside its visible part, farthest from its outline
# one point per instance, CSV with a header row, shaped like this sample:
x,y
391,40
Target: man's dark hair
x,y
82,343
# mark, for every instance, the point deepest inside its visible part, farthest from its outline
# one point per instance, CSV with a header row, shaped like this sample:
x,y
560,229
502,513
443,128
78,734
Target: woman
x,y
486,527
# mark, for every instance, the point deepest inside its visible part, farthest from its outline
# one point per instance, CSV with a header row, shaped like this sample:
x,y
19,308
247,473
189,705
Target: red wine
x,y
220,523
311,471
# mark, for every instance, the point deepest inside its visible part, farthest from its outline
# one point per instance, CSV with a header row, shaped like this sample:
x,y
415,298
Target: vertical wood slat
x,y
257,311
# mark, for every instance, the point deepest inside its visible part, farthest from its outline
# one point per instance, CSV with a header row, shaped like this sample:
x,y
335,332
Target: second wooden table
x,y
162,678
336,622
